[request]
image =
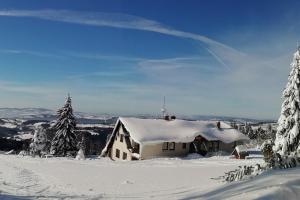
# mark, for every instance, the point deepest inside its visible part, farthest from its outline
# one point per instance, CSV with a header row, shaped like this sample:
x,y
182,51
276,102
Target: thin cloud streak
x,y
218,58
96,56
118,20
117,74
31,53
67,54
28,89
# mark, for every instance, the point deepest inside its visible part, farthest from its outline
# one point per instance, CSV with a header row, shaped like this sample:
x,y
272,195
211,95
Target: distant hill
x,y
26,113
44,114
21,121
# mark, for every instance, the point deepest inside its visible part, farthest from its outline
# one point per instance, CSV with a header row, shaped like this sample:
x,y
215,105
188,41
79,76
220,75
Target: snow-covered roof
x,y
160,130
241,148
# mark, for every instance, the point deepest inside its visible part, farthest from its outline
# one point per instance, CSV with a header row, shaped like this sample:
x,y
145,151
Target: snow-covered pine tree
x,y
64,140
39,141
287,136
270,132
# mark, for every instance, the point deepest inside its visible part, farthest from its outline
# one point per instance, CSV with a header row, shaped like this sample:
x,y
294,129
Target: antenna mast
x,y
164,110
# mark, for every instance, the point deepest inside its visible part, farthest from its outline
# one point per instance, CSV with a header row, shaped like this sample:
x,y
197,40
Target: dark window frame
x,y
172,146
165,146
121,137
117,153
210,146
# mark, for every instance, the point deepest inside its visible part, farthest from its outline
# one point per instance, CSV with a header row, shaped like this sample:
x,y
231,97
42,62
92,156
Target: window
x,y
172,146
124,156
165,146
210,146
117,135
117,153
184,145
121,138
215,146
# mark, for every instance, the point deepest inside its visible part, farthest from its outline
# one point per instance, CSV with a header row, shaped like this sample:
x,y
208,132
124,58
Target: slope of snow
x,y
162,178
159,130
56,178
275,185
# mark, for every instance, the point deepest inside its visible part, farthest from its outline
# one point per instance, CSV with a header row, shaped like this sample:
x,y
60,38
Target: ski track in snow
x,y
25,183
162,178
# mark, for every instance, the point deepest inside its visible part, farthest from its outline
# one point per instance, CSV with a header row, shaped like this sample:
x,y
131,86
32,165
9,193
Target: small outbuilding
x,y
240,152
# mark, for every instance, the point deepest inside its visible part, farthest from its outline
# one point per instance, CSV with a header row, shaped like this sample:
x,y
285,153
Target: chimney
x,y
219,125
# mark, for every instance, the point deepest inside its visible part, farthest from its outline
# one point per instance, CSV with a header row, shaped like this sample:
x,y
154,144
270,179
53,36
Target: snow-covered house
x,y
136,139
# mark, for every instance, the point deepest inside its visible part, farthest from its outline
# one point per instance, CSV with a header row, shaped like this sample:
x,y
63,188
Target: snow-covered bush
x,y
23,153
83,143
10,152
243,172
267,150
80,155
64,142
39,141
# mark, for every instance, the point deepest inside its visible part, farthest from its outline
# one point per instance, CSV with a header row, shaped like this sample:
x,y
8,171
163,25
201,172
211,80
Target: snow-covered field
x,y
162,178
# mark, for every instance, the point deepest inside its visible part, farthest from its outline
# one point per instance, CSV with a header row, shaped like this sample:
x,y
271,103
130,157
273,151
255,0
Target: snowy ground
x,y
61,178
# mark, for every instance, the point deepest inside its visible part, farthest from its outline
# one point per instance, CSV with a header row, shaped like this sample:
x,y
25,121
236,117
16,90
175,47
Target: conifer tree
x,y
64,140
287,135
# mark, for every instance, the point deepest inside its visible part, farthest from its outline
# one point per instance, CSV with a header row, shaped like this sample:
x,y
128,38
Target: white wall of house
x,y
120,146
160,150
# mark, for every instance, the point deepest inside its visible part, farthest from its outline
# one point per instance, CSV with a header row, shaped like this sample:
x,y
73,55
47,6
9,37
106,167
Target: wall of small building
x,y
121,146
156,150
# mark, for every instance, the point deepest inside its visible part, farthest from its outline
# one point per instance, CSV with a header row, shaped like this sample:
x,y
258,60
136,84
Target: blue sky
x,y
121,57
